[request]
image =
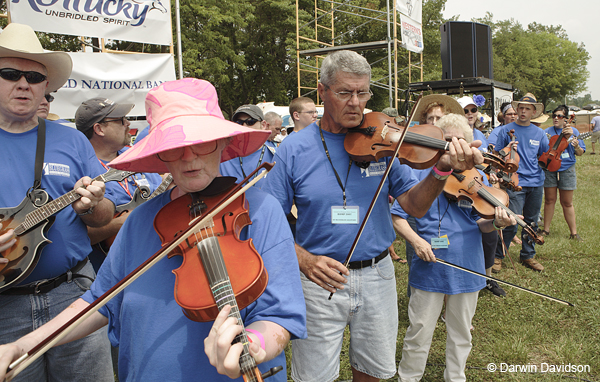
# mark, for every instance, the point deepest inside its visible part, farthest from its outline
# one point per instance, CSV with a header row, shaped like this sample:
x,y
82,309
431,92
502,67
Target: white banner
x,y
500,96
119,77
412,34
147,21
411,8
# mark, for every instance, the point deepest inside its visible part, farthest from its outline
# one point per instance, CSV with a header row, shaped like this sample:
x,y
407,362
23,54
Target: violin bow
x,y
26,359
380,187
504,282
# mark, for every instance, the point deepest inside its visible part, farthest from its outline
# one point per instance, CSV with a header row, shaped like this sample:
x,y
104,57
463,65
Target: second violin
x,y
468,185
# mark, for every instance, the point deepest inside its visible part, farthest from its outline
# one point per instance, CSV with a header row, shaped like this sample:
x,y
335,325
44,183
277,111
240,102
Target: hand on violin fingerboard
x,y
461,156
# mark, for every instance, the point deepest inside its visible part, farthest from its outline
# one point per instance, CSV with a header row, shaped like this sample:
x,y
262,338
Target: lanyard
x,y
343,187
441,216
123,184
257,165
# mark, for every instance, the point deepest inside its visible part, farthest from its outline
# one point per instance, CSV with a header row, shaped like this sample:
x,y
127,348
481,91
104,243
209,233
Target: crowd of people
x,y
299,218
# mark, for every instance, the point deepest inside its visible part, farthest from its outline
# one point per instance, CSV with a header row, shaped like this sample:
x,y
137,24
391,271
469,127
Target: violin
x,y
217,265
468,185
551,160
504,164
378,136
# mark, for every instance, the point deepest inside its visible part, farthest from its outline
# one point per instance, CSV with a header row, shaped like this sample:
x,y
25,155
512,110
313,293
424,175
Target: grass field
x,y
524,329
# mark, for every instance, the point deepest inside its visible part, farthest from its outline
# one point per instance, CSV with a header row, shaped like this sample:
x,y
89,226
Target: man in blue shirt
x,y
532,142
63,273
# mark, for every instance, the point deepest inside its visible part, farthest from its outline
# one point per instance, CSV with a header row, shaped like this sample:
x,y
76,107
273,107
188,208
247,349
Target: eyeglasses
x,y
247,122
49,98
346,96
122,120
314,112
199,149
559,116
14,75
472,110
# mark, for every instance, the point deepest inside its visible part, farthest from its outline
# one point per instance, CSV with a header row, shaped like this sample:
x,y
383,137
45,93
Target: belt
x,y
368,263
45,286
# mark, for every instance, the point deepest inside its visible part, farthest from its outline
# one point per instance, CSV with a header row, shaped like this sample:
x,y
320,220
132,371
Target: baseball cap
x,y
95,110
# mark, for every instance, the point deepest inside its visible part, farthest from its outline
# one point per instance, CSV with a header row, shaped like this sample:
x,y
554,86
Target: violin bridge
x,y
384,132
208,224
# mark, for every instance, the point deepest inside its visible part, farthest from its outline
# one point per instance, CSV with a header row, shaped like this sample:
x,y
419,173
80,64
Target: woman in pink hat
x,y
188,138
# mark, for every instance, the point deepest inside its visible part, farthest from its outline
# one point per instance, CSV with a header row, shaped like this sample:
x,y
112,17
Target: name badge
x,y
341,215
440,242
143,182
564,155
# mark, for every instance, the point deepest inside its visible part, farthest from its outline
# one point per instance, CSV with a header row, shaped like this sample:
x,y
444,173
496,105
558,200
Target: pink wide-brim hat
x,y
184,113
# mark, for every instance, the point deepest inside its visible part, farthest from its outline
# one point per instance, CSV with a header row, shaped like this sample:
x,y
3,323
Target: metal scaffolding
x,y
320,35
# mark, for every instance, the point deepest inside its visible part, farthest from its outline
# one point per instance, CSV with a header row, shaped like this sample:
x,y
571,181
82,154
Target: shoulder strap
x,y
39,153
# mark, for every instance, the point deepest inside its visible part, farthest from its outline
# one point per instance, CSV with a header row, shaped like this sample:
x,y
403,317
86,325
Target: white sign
x,y
500,96
147,21
412,34
120,77
411,8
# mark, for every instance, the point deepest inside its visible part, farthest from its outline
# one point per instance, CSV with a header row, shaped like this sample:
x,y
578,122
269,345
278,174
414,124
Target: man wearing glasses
x,y
332,194
104,123
63,274
303,112
250,116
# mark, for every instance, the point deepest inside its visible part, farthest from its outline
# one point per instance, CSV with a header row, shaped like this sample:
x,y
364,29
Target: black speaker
x,y
466,50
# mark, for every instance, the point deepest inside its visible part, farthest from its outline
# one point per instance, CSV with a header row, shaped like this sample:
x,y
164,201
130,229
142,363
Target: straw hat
x,y
450,105
530,99
18,40
184,113
541,119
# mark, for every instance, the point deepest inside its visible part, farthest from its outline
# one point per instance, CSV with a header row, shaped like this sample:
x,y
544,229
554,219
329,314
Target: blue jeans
x,y
87,359
528,203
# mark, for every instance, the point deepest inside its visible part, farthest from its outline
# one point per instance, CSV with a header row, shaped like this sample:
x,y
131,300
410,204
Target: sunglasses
x,y
247,122
559,116
49,98
472,110
14,75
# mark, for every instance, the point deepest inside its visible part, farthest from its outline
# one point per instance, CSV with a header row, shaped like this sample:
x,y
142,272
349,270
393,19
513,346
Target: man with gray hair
x,y
31,294
274,122
332,195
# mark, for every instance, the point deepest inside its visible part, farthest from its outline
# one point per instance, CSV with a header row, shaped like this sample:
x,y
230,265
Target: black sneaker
x,y
493,287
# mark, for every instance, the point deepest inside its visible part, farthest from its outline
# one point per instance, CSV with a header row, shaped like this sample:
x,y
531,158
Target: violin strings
x,y
494,201
217,271
421,140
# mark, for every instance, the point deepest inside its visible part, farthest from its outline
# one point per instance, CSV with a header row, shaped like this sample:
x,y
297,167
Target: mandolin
x,y
31,220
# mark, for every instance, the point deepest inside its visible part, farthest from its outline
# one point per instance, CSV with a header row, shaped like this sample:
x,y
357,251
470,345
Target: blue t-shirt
x,y
303,174
479,136
68,157
568,155
148,325
491,139
241,167
465,248
141,134
533,142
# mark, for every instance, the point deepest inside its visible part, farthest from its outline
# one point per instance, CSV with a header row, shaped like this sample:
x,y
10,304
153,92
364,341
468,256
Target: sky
x,y
579,18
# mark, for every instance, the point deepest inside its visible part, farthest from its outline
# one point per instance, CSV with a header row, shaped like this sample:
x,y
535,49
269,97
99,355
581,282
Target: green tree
x,y
540,59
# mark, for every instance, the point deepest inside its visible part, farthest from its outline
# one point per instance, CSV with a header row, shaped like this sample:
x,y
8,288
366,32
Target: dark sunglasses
x,y
121,120
559,116
49,98
247,122
10,74
472,110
